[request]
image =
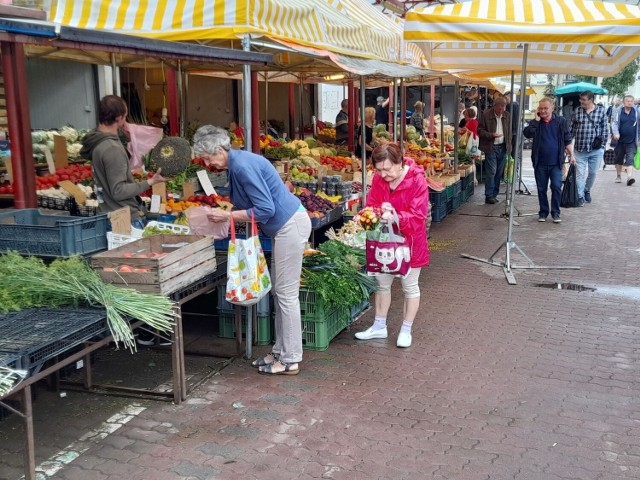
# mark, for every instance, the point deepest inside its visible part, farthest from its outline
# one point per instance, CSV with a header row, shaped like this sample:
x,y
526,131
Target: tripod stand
x,y
509,244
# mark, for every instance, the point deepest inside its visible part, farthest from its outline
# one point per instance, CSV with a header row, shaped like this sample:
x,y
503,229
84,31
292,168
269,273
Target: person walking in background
x,y
417,118
369,117
463,121
551,136
399,187
625,126
471,122
513,108
342,124
494,130
382,112
589,125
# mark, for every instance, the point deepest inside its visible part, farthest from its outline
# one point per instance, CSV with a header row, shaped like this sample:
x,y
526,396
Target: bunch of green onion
x,y
9,378
28,282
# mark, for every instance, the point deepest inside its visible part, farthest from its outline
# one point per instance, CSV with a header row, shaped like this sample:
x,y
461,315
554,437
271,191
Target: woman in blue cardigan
x,y
256,187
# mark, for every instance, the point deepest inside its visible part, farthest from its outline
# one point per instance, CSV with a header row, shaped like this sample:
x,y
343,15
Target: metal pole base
x,y
507,266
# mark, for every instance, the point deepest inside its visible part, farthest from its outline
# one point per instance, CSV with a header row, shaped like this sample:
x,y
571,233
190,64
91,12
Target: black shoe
x,y
491,200
631,181
587,196
556,219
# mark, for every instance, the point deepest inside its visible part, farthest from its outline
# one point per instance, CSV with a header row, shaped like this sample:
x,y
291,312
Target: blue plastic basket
x,y
438,213
31,233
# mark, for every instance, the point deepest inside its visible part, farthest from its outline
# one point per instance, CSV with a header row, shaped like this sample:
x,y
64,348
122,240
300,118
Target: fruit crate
x,y
264,305
437,198
160,264
30,232
356,310
457,200
457,188
449,192
438,213
227,328
319,324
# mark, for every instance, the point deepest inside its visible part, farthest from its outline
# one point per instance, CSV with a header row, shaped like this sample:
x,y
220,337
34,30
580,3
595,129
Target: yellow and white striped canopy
x,y
313,23
564,36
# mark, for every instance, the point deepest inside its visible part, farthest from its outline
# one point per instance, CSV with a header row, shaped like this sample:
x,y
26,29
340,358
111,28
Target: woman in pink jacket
x,y
399,185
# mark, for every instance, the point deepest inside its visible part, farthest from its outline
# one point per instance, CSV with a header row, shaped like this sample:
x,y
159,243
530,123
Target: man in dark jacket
x,y
552,136
342,124
494,131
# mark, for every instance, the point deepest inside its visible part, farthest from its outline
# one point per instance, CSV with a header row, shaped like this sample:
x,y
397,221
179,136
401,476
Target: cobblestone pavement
x,y
502,381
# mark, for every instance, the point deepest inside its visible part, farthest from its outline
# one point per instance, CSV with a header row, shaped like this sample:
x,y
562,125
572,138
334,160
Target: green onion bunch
x,y
27,282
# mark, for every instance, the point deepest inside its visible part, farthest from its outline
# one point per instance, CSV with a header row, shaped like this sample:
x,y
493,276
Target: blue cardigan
x,y
254,184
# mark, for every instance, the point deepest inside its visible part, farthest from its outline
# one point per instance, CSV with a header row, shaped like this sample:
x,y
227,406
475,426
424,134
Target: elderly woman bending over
x,y
256,188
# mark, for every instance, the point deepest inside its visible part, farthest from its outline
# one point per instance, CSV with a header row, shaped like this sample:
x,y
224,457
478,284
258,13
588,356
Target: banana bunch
x,y
331,198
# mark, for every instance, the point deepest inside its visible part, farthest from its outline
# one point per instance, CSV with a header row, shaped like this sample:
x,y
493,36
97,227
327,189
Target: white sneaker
x,y
404,339
370,333
618,179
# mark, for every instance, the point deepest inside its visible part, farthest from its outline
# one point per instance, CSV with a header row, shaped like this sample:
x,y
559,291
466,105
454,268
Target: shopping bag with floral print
x,y
248,278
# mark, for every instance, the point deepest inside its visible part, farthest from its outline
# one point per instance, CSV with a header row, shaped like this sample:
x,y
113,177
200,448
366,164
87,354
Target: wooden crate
x,y
186,258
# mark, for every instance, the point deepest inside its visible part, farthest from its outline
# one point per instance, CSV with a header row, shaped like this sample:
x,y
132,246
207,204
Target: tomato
x,y
3,190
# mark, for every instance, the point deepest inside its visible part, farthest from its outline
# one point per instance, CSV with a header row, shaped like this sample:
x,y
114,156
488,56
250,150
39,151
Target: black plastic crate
x,y
37,335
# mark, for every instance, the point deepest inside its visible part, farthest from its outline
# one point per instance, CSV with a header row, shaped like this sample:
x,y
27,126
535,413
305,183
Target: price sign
x,y
156,203
79,195
50,163
121,221
60,151
160,189
206,183
188,190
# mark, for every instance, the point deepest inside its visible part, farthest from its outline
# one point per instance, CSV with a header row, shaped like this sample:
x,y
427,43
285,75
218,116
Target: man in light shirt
x,y
495,142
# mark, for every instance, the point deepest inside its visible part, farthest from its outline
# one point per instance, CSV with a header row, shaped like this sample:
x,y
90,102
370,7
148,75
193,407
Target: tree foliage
x,y
617,85
549,87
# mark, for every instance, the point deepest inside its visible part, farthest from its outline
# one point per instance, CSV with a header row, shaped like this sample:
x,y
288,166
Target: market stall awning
x,y
486,36
314,23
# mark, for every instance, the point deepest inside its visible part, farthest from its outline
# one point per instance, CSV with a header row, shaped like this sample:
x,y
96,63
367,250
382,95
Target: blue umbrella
x,y
580,87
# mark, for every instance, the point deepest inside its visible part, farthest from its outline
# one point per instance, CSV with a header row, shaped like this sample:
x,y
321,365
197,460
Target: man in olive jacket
x,y
494,130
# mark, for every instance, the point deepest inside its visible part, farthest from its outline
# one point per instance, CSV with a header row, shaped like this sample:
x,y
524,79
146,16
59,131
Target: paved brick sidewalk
x,y
502,382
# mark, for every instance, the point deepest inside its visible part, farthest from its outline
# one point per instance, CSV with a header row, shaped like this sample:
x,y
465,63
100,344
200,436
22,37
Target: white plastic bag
x,y
473,144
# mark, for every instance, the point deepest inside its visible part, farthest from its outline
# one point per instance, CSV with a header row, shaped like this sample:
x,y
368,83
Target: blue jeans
x,y
494,163
587,161
546,174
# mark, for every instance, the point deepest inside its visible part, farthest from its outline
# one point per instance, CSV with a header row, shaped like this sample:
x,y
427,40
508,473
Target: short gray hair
x,y
211,140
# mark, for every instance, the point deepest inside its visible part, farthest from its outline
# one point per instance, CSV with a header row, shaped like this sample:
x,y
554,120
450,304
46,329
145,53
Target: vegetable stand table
x,y
37,340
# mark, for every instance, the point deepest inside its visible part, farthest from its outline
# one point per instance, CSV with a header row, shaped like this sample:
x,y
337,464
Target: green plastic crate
x,y
227,328
317,333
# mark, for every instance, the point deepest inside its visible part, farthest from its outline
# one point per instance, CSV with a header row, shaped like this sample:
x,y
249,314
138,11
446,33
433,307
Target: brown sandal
x,y
280,368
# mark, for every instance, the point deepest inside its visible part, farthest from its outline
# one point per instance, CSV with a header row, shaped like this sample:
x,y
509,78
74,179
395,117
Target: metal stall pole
x,y
510,244
114,75
363,140
247,114
395,110
181,99
456,122
432,110
301,100
403,114
266,103
442,118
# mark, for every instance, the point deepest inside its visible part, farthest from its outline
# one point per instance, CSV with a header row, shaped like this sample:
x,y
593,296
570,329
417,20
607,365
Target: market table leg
x,y
238,312
29,445
88,377
177,358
